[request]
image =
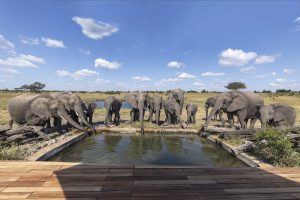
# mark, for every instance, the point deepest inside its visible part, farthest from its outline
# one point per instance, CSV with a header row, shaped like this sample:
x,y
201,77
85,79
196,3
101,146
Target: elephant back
x,y
18,106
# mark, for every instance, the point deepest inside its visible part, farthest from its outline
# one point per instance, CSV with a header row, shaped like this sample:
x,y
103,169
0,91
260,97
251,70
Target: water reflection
x,y
111,142
147,149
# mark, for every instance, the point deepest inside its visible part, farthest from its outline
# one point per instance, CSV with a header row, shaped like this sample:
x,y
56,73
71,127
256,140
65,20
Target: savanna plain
x,y
191,97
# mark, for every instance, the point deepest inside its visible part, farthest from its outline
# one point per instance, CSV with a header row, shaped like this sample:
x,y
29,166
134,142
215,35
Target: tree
x,y
34,87
236,86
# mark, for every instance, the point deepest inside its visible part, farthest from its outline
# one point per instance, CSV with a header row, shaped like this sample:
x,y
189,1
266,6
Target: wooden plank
x,y
53,189
14,195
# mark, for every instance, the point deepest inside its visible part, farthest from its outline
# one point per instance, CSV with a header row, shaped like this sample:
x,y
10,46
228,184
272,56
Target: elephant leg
x,y
10,123
48,124
150,115
252,122
117,118
242,116
157,118
57,124
230,119
221,118
194,119
132,116
37,121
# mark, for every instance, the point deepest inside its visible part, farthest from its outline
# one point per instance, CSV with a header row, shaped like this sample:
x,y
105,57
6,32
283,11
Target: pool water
x,y
147,149
100,104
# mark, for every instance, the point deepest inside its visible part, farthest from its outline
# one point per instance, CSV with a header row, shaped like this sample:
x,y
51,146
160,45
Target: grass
x,y
235,141
196,98
12,152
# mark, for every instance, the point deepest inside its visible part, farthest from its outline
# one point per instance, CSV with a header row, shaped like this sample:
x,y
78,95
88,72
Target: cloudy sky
x,y
156,45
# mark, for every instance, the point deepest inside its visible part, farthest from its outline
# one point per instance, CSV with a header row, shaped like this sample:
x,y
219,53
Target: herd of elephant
x,y
39,109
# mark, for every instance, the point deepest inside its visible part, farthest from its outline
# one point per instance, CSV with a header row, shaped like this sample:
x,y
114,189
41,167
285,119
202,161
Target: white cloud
x,y
120,84
288,71
22,61
297,20
212,74
264,59
5,44
175,64
248,70
63,73
266,75
32,58
102,63
53,43
236,57
200,84
95,29
84,73
141,78
169,80
184,75
10,71
101,81
86,52
28,40
80,74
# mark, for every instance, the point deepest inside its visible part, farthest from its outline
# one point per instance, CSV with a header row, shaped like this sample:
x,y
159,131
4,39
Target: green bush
x,y
275,147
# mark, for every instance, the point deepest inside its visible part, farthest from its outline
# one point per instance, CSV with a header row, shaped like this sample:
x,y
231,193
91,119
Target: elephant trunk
x,y
206,111
157,113
79,111
62,113
106,116
141,111
214,110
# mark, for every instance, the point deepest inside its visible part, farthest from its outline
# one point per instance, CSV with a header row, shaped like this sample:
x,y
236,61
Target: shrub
x,y
275,147
12,152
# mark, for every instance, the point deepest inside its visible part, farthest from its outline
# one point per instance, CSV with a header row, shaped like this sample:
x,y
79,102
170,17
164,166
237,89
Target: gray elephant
x,y
73,105
191,110
277,115
178,95
155,104
89,110
172,111
138,102
112,106
209,103
244,105
36,110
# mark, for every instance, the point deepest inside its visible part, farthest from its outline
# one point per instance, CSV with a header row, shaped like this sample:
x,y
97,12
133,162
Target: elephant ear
x,y
239,102
66,104
40,107
281,113
131,99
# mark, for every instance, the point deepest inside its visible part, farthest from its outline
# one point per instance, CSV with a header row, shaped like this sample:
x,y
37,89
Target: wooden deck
x,y
56,180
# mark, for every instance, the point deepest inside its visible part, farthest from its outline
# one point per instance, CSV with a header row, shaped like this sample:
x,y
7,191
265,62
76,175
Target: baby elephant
x,y
191,110
89,110
277,115
112,106
155,104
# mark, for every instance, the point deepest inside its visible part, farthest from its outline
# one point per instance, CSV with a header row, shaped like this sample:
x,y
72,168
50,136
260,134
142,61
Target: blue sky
x,y
156,45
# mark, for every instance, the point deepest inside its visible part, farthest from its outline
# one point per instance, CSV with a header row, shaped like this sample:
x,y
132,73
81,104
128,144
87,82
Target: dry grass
x,y
196,98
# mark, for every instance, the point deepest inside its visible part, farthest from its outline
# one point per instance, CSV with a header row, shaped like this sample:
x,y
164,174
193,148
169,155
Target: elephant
x,y
172,111
155,104
89,110
138,102
178,95
277,115
36,110
191,110
244,105
112,106
73,105
209,103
